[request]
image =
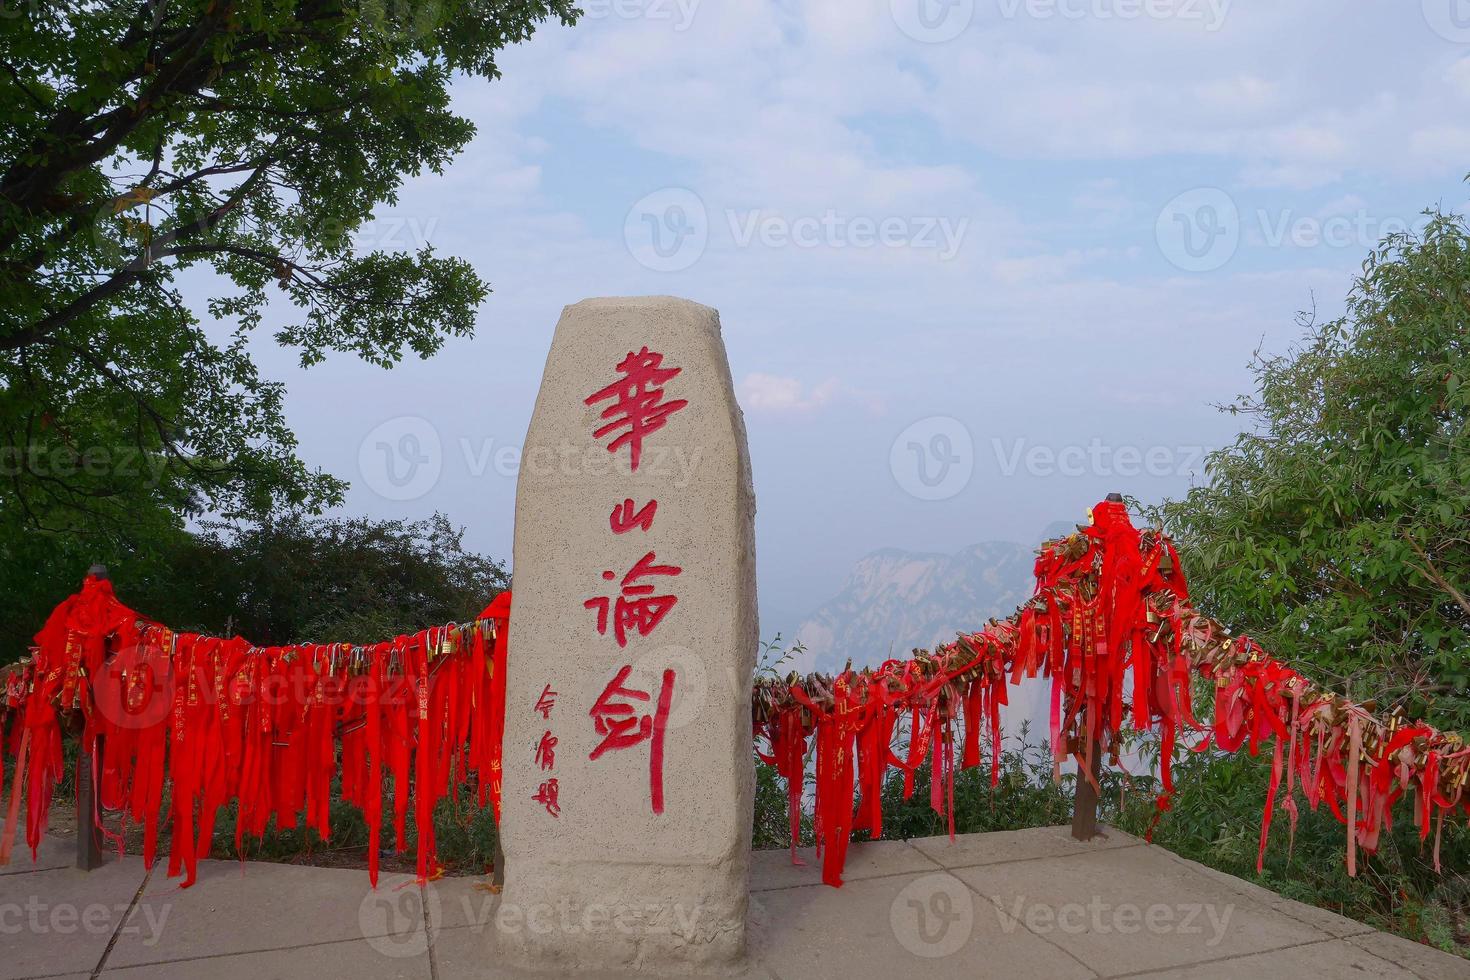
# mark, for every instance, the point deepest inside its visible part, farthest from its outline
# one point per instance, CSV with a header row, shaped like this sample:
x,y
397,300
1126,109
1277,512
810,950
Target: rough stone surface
x,y
607,881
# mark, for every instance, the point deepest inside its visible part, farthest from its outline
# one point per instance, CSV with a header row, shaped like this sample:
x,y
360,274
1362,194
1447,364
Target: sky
x,y
978,262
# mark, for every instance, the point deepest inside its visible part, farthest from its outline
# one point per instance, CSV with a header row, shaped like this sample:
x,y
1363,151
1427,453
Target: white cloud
x,y
780,395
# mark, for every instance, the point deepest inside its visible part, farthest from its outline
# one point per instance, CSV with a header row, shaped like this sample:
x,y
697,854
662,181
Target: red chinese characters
x,y
623,518
637,405
548,793
545,702
635,607
546,751
615,718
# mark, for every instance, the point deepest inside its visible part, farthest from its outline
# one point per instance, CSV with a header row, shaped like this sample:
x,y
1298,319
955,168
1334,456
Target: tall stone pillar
x,y
628,778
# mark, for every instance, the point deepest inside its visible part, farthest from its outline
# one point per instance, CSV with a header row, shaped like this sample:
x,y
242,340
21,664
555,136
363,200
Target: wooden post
x,y
1084,809
89,835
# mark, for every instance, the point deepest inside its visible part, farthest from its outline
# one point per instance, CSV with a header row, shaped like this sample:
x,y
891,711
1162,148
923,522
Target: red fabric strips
x,y
271,728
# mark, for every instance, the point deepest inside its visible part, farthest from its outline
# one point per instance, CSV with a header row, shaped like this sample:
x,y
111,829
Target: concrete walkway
x,y
1030,903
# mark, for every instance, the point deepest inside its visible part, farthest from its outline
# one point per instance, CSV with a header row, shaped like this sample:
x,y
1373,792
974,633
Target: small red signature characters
x,y
545,702
637,402
621,727
636,606
546,752
546,795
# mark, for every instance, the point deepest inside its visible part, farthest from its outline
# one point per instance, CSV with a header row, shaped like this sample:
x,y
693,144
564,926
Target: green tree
x,y
293,578
1336,531
250,138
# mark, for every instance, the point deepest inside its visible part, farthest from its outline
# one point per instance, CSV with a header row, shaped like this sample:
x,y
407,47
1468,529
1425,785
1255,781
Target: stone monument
x,y
628,776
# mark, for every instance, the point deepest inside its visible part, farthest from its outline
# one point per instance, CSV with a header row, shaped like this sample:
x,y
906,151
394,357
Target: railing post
x,y
89,835
1084,807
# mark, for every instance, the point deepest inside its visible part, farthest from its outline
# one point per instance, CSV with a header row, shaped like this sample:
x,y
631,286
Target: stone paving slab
x,y
356,960
54,852
927,923
1329,922
1333,959
971,850
1128,910
238,907
1423,961
898,915
470,953
65,917
872,859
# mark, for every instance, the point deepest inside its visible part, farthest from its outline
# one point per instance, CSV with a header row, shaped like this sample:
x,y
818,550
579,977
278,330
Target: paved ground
x,y
1030,903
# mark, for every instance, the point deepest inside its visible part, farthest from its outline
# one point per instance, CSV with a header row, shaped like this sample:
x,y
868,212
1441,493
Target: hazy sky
x,y
978,261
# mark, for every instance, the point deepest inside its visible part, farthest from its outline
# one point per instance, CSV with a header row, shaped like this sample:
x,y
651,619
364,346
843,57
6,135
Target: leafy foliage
x,y
288,579
140,139
1337,531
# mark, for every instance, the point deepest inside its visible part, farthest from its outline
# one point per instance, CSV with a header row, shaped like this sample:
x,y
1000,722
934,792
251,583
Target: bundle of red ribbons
x,y
269,727
1112,627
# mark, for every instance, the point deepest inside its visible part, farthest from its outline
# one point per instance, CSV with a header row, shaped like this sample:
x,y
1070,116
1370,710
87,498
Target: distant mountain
x,y
896,600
